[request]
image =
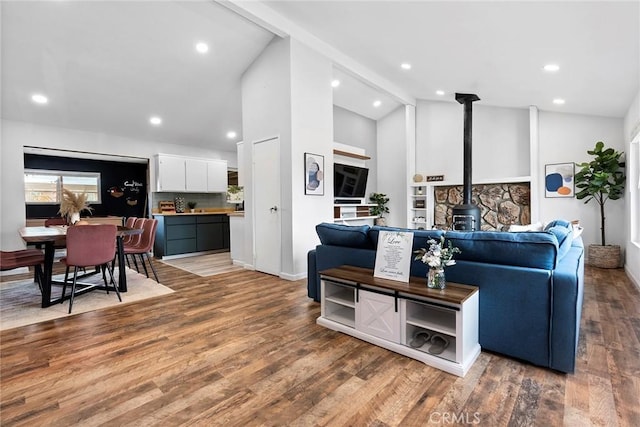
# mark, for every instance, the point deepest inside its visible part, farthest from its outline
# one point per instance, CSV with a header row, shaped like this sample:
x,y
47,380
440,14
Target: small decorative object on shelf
x,y
72,204
179,202
437,257
192,206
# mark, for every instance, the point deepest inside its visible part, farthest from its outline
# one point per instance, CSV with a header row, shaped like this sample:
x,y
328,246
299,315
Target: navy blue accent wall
x,y
129,178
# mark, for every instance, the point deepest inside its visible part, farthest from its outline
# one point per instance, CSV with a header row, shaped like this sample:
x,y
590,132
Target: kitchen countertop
x,y
236,213
210,211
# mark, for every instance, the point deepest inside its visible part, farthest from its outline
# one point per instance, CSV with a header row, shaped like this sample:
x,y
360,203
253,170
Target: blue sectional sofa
x,y
531,283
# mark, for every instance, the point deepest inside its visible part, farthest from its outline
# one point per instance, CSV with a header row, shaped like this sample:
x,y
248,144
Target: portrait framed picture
x,y
313,174
559,180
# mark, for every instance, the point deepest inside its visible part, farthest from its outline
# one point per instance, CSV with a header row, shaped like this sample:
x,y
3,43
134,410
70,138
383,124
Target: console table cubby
x,y
389,314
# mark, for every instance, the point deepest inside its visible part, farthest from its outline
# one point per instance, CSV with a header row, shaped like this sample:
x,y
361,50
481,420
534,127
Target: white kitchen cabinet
x,y
170,173
184,174
217,178
196,173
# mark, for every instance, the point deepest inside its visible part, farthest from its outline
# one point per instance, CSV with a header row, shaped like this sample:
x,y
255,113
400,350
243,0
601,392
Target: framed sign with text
x,y
393,255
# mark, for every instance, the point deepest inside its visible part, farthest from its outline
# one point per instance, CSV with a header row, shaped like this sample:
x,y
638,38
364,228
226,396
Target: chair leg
x,y
135,263
103,268
38,275
73,288
115,285
144,265
152,268
64,286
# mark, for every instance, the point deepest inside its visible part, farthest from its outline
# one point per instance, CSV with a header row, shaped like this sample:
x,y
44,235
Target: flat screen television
x,y
349,181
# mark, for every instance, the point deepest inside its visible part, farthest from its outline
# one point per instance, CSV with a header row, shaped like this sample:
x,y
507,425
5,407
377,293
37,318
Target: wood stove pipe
x,y
467,99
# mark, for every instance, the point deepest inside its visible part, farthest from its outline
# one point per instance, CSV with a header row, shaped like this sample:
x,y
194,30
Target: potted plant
x,y
192,206
602,179
380,208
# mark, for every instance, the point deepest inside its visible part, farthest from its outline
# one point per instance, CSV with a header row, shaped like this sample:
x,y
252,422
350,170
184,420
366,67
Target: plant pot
x,y
607,256
381,221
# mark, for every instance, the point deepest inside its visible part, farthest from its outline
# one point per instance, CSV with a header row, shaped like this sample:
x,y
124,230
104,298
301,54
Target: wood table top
x,y
454,292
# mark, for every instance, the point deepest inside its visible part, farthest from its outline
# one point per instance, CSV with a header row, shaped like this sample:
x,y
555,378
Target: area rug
x,y
20,300
205,265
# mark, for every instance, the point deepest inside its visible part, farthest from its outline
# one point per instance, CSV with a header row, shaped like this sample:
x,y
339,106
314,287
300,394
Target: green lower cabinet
x,y
178,235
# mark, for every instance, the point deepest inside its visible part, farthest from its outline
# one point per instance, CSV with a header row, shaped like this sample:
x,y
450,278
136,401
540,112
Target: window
x,y
45,186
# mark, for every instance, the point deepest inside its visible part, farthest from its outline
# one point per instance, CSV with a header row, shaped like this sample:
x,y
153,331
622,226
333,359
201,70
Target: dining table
x,y
49,235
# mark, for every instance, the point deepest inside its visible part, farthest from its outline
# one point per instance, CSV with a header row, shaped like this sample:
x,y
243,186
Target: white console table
x,y
388,314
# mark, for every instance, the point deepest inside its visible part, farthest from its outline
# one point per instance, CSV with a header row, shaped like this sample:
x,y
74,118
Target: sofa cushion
x,y
344,235
529,249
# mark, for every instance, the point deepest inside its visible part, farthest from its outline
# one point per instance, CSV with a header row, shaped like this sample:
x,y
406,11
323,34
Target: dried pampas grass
x,y
73,203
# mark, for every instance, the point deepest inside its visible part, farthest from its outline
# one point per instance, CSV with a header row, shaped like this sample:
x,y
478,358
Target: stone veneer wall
x,y
501,205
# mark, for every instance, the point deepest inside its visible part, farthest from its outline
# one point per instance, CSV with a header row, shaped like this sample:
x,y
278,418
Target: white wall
x,y
566,138
631,129
16,135
286,92
500,141
391,163
358,131
266,113
312,132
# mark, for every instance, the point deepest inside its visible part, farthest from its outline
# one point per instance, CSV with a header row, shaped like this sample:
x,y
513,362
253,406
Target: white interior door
x,y
266,202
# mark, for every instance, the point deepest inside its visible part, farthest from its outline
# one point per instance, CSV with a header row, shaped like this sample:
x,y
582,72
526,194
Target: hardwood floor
x,y
243,349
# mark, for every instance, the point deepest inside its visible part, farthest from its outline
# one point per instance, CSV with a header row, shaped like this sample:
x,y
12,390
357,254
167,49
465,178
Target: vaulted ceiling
x,y
109,66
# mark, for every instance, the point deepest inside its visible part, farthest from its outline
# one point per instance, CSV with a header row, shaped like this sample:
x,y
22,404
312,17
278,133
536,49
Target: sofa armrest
x,y
313,279
568,294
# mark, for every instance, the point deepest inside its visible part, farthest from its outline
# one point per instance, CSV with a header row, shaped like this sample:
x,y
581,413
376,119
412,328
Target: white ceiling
x,y
109,66
495,49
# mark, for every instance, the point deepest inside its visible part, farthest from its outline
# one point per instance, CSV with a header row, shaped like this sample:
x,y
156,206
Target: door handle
x,y
274,209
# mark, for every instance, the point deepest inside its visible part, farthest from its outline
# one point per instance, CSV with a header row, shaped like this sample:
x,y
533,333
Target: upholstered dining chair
x,y
144,246
129,223
90,245
10,260
134,239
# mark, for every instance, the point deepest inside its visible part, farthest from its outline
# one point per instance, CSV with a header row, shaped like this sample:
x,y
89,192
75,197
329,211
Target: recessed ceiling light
x,y
38,98
377,103
558,101
231,134
405,66
439,92
335,83
155,120
552,68
202,47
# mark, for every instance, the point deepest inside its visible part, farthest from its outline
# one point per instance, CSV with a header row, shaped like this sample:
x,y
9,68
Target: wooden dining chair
x,y
87,246
144,246
10,260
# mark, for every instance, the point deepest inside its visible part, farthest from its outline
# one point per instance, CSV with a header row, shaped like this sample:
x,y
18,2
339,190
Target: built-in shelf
x,y
353,155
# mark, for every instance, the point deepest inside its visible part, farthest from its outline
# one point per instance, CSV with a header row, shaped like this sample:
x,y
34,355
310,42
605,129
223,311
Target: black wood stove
x,y
466,217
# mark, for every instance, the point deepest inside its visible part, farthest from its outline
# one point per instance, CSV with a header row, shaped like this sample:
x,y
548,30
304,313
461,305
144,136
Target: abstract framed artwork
x,y
559,180
313,174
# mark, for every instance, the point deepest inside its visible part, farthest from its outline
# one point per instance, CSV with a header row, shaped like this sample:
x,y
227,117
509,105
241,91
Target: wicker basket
x,y
604,256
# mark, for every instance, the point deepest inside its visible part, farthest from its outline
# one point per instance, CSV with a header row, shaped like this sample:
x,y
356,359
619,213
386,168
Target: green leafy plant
x,y
381,201
192,205
601,179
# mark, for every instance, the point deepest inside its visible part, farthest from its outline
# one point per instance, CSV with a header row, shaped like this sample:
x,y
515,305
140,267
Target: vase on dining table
x,y
436,278
74,217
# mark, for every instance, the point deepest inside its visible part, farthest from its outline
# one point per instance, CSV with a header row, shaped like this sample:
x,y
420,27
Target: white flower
x,y
438,255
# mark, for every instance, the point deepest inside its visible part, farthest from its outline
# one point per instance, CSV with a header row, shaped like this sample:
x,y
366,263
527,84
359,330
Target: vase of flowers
x,y
438,256
72,204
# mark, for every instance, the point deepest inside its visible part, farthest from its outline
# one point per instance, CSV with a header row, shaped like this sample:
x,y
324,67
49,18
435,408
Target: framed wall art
x,y
313,174
559,180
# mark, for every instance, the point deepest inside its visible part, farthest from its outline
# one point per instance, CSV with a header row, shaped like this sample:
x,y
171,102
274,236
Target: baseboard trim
x,y
293,277
631,277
